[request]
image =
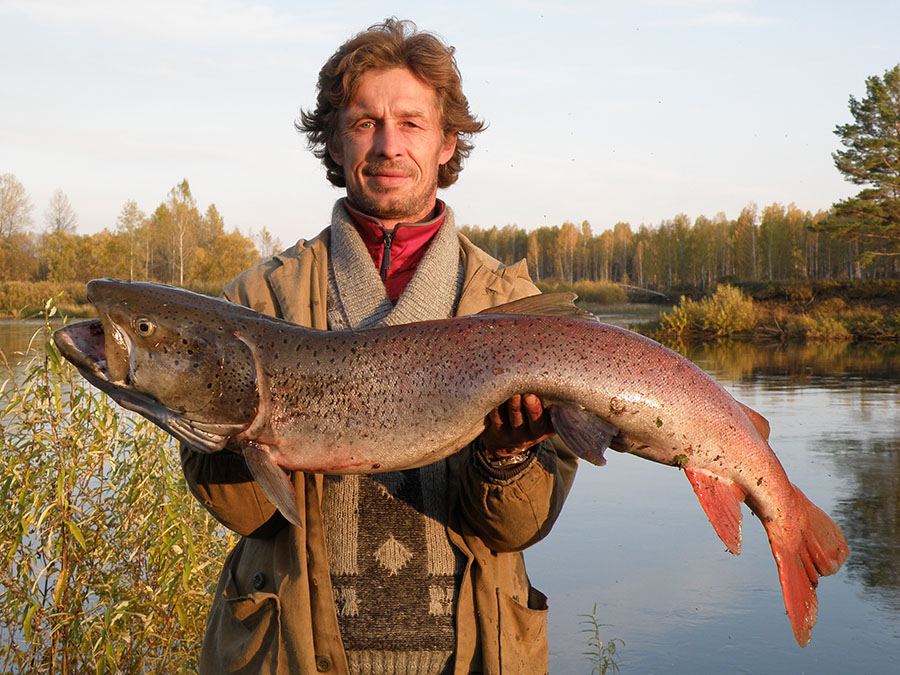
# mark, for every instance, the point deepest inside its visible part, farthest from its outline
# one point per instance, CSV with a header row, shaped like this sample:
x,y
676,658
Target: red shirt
x,y
398,252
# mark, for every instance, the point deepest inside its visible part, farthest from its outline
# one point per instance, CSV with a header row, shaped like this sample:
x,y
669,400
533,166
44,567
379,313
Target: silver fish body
x,y
216,374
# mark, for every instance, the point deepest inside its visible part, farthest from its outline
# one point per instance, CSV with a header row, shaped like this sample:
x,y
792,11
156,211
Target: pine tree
x,y
871,158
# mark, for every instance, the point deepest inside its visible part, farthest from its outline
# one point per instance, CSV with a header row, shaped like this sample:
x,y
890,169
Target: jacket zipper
x,y
386,253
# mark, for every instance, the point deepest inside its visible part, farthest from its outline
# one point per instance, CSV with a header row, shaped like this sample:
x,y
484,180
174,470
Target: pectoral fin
x,y
273,481
584,432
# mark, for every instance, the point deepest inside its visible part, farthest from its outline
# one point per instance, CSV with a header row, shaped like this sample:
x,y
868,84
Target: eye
x,y
144,326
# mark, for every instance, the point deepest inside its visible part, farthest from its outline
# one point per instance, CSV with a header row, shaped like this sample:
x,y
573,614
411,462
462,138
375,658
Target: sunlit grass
x,y
593,292
731,313
107,564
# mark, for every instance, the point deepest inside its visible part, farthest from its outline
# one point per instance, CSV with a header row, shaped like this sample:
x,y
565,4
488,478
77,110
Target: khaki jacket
x,y
273,610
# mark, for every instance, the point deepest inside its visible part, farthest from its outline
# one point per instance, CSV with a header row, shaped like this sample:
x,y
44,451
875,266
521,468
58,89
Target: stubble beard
x,y
377,201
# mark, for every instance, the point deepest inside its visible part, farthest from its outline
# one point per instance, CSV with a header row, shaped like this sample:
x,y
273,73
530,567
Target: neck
x,y
388,224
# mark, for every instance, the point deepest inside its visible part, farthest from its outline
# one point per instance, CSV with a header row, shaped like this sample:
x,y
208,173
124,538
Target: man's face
x,y
390,145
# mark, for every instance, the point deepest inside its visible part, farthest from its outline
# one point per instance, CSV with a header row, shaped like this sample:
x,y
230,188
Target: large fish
x,y
214,374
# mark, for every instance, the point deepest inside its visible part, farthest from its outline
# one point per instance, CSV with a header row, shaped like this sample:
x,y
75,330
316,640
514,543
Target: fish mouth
x,y
84,345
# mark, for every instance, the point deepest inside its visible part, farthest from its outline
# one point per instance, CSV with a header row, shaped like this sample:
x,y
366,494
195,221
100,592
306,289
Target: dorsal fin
x,y
560,304
760,422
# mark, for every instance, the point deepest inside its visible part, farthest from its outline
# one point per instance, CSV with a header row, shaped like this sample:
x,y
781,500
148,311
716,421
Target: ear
x,y
334,151
447,149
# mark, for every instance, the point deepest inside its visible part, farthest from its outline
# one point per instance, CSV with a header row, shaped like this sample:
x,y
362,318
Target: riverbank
x,y
29,299
824,311
861,311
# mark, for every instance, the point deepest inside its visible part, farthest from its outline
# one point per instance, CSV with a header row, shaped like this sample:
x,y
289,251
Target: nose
x,y
387,141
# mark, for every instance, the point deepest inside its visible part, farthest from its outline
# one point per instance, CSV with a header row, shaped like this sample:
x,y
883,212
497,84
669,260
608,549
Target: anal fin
x,y
274,482
584,432
721,501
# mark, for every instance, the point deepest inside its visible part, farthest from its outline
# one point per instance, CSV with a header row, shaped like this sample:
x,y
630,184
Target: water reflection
x,y
825,363
865,448
870,516
16,336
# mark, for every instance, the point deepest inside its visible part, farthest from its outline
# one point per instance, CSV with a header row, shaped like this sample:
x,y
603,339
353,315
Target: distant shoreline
x,y
857,311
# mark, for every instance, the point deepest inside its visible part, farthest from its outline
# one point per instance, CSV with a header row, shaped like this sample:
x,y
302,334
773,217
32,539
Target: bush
x,y
107,564
725,312
828,328
21,299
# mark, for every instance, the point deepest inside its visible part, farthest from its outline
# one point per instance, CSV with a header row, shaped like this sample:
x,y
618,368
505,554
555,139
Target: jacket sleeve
x,y
222,482
511,514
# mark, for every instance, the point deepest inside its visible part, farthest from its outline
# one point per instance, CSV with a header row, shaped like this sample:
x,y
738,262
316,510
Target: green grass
x,y
601,654
107,564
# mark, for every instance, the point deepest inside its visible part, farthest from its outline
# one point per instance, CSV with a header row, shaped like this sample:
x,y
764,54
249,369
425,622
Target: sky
x,y
605,111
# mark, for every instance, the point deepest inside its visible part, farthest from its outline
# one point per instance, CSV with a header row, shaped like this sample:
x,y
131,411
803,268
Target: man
x,y
416,571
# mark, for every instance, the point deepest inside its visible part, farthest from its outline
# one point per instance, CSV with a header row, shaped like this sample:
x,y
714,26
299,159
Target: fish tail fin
x,y
822,550
824,539
274,482
721,501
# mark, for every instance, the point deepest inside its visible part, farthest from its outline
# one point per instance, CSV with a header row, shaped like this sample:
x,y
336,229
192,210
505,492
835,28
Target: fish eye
x,y
144,326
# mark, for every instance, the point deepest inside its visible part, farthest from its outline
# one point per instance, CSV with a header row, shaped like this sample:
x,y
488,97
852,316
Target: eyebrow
x,y
363,113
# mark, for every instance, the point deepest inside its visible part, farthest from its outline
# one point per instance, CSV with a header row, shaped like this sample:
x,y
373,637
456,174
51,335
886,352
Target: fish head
x,y
170,355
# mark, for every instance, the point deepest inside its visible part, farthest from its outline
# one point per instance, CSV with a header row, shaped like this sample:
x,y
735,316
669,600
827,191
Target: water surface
x,y
634,540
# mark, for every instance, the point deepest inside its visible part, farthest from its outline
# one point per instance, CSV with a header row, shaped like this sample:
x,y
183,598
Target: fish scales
x,y
218,375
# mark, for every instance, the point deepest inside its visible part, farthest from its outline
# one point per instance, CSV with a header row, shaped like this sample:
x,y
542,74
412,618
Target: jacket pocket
x,y
523,634
245,630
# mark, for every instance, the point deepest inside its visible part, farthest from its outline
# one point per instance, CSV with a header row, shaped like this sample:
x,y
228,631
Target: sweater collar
x,y
396,253
371,229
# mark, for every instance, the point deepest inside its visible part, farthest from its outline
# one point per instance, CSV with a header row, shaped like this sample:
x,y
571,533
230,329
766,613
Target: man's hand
x,y
515,426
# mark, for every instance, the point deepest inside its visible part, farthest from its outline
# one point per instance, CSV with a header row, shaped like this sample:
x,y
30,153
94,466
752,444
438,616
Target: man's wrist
x,y
501,468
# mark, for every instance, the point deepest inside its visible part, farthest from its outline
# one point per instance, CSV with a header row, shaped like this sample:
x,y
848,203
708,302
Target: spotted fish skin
x,y
219,375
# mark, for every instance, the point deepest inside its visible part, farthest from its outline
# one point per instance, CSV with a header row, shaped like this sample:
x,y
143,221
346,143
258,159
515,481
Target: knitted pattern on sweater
x,y
394,572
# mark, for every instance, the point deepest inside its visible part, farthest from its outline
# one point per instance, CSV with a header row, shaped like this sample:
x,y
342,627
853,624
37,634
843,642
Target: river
x,y
633,540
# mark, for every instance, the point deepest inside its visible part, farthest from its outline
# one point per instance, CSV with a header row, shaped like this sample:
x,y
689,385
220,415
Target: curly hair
x,y
391,44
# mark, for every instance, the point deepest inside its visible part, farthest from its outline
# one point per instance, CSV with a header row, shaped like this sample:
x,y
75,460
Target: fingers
x,y
514,411
495,418
516,425
533,407
520,412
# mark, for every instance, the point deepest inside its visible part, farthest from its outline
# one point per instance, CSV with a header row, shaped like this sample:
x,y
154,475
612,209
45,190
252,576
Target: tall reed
x,y
107,564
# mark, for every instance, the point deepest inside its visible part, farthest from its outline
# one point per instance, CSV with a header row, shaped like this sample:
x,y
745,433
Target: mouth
x,y
84,345
383,176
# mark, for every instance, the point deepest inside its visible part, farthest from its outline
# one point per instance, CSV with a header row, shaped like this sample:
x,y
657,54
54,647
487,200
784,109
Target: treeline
x,y
178,244
175,244
778,244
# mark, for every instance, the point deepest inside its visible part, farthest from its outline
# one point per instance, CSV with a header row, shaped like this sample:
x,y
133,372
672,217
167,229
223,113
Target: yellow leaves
x,y
106,559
